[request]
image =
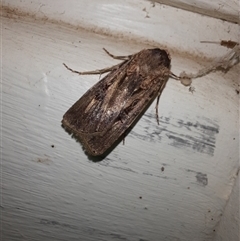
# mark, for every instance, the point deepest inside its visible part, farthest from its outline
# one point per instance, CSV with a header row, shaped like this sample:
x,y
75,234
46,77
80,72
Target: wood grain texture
x,y
227,11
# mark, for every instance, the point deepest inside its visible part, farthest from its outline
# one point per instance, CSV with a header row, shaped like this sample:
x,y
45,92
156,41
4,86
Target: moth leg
x,y
98,71
158,97
118,57
172,75
157,117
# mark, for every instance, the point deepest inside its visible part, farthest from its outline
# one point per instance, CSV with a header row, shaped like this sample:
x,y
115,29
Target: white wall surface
x,y
228,228
51,190
224,10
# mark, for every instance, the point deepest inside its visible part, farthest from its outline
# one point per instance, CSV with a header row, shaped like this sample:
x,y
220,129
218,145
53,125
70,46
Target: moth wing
x,y
133,109
97,108
107,110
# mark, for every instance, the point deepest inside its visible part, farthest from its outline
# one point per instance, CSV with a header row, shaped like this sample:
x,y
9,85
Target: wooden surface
x,y
228,228
228,11
168,182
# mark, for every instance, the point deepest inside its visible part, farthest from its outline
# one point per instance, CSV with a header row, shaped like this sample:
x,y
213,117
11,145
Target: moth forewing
x,y
107,110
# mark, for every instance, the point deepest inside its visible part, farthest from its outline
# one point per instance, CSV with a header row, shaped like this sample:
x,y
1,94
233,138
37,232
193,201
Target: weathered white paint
x,y
228,228
225,10
57,193
135,21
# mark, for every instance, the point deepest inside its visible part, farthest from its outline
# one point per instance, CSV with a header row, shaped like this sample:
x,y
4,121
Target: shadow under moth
x,y
106,111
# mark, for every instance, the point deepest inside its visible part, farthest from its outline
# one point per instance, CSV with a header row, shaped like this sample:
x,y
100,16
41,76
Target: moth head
x,y
161,57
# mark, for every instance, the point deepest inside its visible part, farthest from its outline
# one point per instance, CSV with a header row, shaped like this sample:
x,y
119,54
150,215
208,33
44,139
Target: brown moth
x,y
108,109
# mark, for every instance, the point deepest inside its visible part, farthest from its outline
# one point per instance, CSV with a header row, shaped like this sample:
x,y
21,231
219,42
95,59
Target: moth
x,y
108,109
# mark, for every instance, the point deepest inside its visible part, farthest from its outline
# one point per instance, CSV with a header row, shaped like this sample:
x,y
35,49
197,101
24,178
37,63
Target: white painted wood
x,y
135,21
228,229
51,190
224,10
